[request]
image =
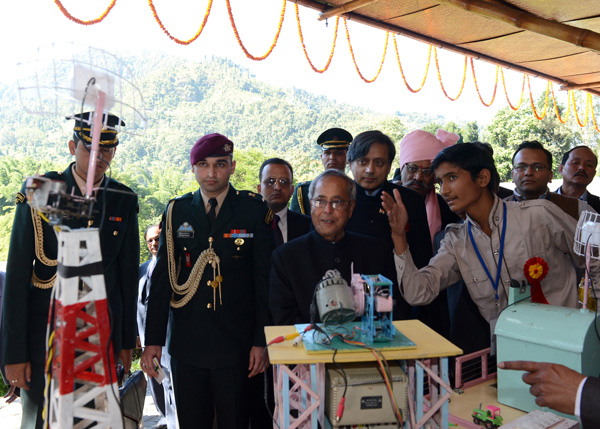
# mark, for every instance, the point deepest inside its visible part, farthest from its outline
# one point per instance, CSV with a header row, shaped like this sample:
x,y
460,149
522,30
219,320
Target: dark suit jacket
x,y
200,335
590,401
293,279
297,225
26,307
370,219
594,201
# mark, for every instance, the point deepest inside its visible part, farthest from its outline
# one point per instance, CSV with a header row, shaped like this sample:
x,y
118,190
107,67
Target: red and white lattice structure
x,y
83,365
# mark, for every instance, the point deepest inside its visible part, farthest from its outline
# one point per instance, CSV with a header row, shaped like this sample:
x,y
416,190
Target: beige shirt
x,y
535,228
220,199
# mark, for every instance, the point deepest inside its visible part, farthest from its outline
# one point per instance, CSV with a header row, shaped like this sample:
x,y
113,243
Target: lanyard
x,y
497,282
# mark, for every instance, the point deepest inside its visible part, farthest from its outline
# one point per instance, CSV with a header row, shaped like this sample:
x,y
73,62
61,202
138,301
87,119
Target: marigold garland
x,y
79,21
594,115
506,92
237,35
414,91
575,111
175,39
589,108
533,104
387,37
462,84
561,120
477,86
337,21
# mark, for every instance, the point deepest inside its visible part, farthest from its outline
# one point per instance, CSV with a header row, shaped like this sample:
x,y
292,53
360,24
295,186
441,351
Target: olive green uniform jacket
x,y
26,307
204,333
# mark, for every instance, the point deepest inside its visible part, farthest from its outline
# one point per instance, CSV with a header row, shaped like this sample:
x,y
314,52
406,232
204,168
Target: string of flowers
x,y
593,115
506,92
414,91
337,21
175,39
562,121
477,86
80,21
575,110
462,84
237,36
533,104
387,37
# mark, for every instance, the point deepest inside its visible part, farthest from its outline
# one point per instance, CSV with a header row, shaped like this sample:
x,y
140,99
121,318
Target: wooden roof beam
x,y
345,8
527,21
318,5
580,86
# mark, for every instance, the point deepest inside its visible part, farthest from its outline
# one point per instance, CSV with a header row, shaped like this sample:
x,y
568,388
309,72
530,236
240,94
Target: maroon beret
x,y
211,145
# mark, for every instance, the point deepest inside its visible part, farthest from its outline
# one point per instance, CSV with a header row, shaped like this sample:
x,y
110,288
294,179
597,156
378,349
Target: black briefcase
x,y
133,394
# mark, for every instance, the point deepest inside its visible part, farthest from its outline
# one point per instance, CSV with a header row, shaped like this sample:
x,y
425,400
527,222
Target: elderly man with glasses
x,y
329,246
532,171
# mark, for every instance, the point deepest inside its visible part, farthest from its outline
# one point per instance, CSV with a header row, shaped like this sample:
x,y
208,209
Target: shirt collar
x,y
220,199
584,196
282,216
519,197
495,216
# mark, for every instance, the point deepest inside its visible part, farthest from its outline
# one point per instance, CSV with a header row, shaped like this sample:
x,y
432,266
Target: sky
x,y
131,27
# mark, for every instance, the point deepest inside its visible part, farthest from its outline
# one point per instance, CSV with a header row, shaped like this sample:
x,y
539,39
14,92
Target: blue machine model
x,y
375,292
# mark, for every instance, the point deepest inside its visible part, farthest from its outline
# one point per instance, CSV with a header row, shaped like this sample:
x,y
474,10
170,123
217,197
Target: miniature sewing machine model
x,y
355,333
544,333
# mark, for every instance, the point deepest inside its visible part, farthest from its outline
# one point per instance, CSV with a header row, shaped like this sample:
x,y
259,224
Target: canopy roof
x,y
557,40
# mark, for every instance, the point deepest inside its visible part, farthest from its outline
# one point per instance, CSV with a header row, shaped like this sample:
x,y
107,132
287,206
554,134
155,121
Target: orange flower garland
x,y
561,120
337,21
387,37
550,89
237,36
477,86
176,40
594,116
79,21
414,91
575,110
533,104
506,93
462,85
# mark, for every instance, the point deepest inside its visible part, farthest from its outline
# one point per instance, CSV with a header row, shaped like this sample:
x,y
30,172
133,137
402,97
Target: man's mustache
x,y
582,173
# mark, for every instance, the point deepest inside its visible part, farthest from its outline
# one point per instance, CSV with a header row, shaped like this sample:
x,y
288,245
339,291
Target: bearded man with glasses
x,y
297,266
532,171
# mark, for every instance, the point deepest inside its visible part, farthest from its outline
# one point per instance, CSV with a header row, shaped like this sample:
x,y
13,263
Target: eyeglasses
x,y
270,182
321,203
150,240
414,169
522,168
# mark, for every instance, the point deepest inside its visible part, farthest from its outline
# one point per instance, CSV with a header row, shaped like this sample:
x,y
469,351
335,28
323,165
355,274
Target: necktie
x,y
277,232
212,212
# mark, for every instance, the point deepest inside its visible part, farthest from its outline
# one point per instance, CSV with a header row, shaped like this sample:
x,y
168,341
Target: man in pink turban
x,y
417,149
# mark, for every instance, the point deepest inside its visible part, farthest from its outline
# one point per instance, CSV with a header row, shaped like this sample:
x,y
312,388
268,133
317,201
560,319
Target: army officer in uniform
x,y
334,144
31,266
213,270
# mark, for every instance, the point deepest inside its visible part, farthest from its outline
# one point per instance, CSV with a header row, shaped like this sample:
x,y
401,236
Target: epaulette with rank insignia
x,y
269,217
252,195
20,198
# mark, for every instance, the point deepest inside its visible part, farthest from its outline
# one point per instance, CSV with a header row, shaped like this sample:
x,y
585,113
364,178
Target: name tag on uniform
x,y
185,230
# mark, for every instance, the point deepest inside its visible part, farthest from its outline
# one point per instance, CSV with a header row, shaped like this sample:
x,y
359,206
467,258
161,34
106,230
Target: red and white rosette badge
x,y
535,270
